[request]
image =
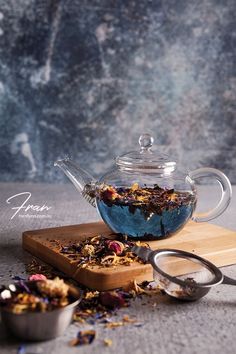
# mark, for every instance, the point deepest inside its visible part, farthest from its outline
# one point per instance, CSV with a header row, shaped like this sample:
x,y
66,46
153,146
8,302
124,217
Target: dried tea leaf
x,y
107,342
83,338
127,319
114,324
100,251
112,299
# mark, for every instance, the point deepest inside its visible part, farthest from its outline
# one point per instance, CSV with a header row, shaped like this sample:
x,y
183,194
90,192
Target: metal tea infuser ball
x,y
183,275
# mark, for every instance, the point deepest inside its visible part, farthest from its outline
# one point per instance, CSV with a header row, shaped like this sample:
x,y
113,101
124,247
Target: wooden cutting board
x,y
212,242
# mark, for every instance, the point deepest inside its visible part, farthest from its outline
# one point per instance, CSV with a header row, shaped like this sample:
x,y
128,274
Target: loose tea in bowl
x,y
38,310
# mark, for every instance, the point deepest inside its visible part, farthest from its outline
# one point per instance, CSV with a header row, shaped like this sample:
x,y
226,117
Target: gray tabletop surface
x,y
206,326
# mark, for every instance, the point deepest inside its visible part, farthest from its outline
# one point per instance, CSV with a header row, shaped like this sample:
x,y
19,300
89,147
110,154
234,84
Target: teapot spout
x,y
81,179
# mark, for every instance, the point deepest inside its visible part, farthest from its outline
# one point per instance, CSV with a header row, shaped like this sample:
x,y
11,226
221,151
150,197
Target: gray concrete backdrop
x,y
85,78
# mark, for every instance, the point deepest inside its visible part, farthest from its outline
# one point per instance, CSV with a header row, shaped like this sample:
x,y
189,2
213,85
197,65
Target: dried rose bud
x,y
111,299
110,193
116,246
36,277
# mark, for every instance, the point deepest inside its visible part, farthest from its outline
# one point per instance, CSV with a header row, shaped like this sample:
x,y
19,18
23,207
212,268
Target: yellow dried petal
x,y
173,196
114,324
108,342
134,187
127,319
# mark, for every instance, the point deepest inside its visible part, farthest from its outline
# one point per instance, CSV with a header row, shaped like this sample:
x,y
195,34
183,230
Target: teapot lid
x,y
146,158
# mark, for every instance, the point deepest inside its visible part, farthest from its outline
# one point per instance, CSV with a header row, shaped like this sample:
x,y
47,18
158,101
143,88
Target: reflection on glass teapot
x,y
144,196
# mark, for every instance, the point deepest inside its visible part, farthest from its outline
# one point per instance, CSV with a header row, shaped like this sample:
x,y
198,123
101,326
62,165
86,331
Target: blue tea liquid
x,y
137,225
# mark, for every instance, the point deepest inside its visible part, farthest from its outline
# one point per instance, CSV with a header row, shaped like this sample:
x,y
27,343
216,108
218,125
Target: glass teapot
x,y
144,196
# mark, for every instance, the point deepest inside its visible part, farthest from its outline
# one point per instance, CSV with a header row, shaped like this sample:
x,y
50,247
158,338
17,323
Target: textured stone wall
x,y
85,78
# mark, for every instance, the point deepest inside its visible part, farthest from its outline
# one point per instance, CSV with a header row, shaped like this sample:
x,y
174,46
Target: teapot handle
x,y
226,192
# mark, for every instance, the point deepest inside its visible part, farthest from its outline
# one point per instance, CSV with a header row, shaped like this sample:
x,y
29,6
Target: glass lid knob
x,y
146,141
146,159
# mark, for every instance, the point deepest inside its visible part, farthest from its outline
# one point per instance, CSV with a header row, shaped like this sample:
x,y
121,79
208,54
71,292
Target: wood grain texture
x,y
212,242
